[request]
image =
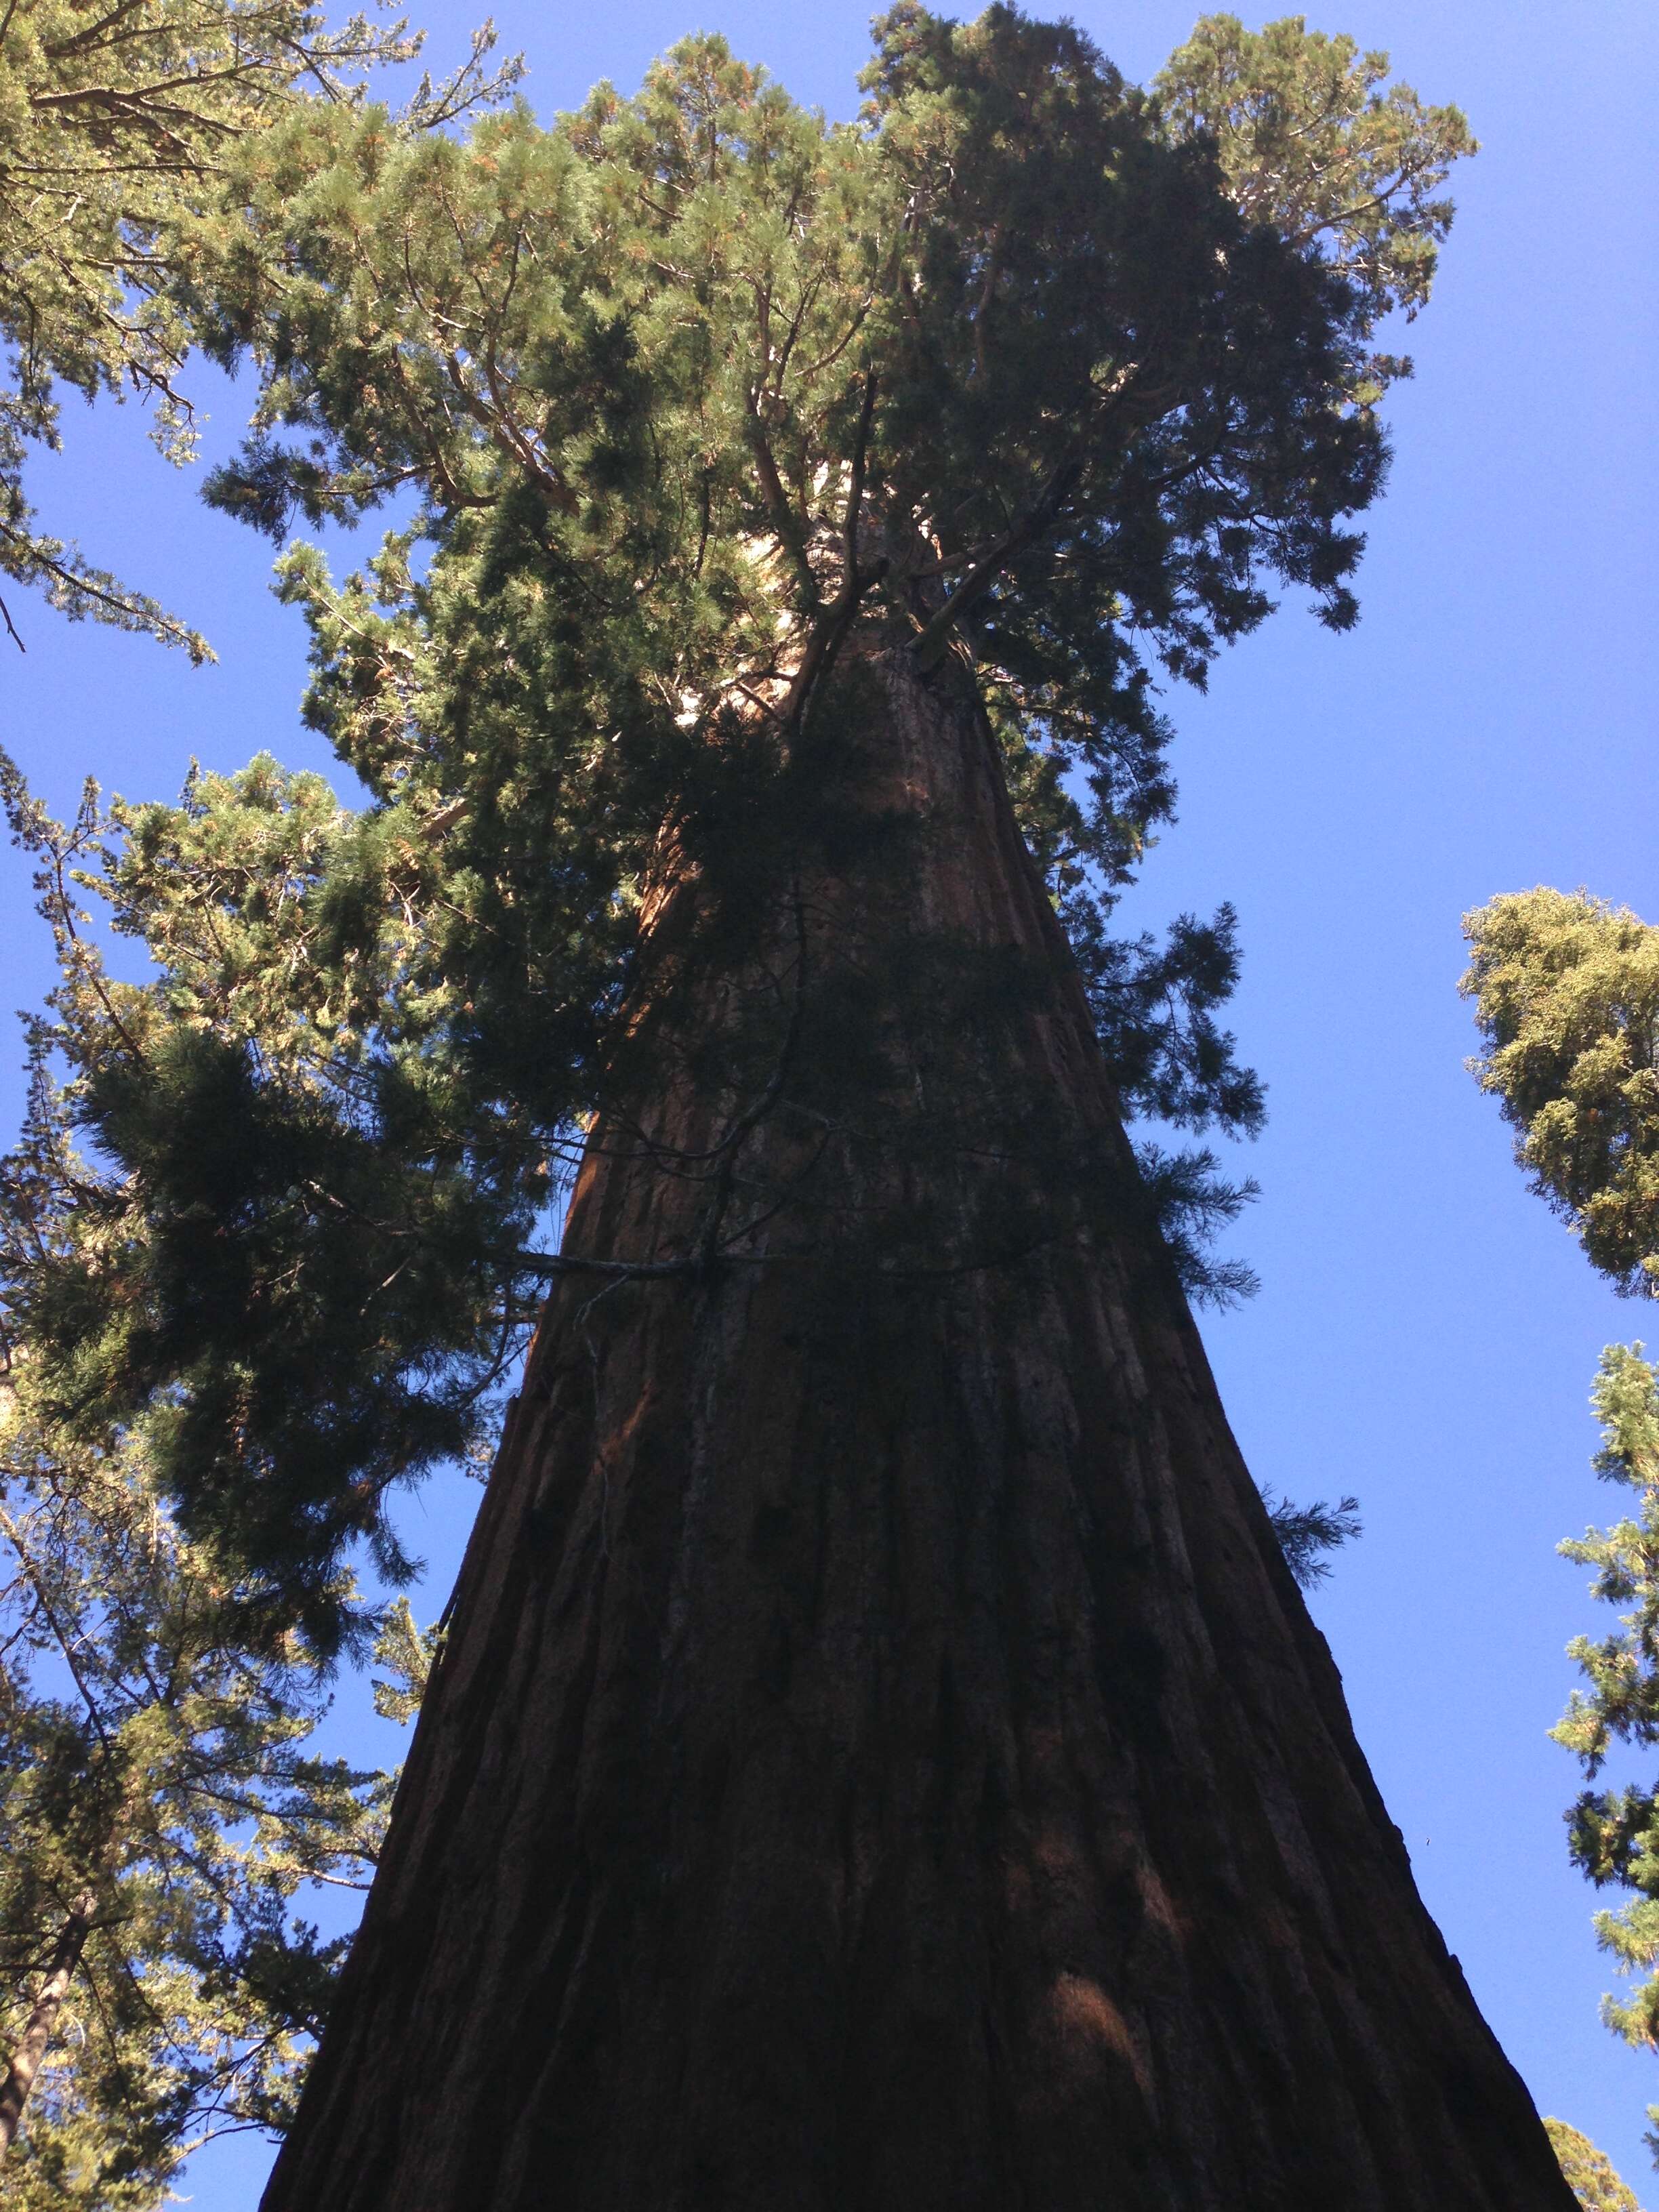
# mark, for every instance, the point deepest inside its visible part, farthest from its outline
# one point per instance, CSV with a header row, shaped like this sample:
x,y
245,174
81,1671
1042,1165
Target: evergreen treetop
x,y
1590,2171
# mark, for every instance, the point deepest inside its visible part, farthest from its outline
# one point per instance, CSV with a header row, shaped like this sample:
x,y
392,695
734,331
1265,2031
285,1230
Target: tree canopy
x,y
695,389
1313,139
1566,993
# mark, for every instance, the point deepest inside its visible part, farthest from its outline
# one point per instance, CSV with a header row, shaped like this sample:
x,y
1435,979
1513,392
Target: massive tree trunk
x,y
881,1762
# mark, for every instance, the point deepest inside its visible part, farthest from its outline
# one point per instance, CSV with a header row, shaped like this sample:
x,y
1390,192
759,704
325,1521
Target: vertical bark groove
x,y
881,1762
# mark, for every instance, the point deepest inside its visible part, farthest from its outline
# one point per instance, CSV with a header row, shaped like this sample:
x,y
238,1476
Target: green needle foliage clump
x,y
288,1243
1313,139
703,401
163,1811
1566,993
116,126
1307,1532
1615,1833
1589,2171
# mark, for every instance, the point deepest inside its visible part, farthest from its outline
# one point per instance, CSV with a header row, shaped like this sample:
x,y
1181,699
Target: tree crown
x,y
704,400
1566,993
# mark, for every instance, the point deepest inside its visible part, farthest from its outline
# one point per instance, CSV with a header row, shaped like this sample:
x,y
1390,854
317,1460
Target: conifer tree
x,y
1615,1833
161,1809
1566,993
1594,2183
878,1755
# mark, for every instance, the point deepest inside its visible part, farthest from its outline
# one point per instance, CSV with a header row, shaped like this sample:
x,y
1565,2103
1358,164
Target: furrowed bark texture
x,y
881,1762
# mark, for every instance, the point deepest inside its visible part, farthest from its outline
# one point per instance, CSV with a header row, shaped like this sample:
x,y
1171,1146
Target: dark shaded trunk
x,y
38,2030
881,1762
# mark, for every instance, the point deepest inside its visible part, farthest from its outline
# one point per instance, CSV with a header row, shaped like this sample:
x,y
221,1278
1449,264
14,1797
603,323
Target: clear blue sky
x,y
1426,1333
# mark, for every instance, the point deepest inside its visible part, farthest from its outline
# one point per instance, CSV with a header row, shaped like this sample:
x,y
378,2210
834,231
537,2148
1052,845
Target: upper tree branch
x,y
824,642
929,646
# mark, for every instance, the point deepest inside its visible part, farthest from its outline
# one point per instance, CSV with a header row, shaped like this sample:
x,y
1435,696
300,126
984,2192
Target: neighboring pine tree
x,y
1590,2172
1566,993
370,1300
116,123
159,1810
163,1813
1615,1833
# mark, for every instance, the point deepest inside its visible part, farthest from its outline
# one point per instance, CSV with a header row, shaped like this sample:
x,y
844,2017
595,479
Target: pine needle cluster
x,y
116,126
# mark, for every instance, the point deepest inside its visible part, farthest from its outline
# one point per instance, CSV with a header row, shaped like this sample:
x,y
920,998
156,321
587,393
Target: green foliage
x,y
161,1812
407,1652
1589,2171
284,1265
1313,140
1614,1834
707,402
1307,1532
116,123
1566,993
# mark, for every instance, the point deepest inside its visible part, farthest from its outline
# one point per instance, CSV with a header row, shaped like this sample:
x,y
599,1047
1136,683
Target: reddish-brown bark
x,y
881,1762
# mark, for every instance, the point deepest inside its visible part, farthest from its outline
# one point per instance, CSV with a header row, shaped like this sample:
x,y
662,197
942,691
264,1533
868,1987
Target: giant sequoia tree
x,y
878,1756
